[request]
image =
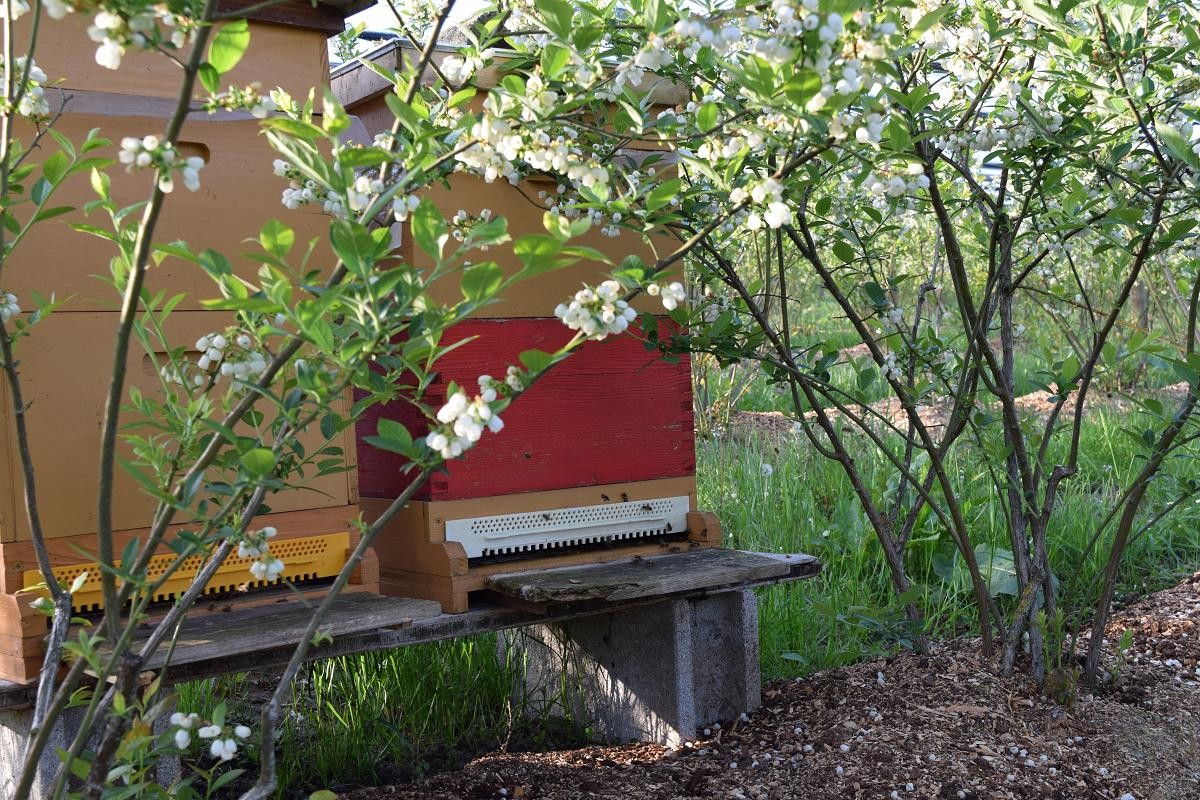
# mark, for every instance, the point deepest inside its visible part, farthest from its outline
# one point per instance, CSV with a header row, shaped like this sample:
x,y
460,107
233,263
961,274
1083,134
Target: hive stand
x,y
652,647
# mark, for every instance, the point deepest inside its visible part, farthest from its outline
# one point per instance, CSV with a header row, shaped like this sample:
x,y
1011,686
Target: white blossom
x,y
9,307
597,313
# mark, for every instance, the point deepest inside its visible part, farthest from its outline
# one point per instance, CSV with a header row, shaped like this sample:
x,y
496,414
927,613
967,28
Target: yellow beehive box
x,y
288,48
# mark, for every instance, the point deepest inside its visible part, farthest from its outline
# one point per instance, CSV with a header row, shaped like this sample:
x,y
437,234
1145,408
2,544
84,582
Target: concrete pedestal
x,y
655,673
14,736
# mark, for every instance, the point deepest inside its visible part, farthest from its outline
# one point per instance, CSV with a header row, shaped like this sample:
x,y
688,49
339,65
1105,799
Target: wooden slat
x,y
633,579
213,637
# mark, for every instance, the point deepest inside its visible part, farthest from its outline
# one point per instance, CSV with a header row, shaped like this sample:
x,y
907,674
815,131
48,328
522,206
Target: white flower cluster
x,y
462,223
365,187
241,362
654,54
597,313
513,378
231,354
896,184
463,420
250,98
114,33
891,369
673,294
301,191
502,150
461,68
9,307
185,723
224,739
257,545
33,103
404,205
769,194
892,317
150,151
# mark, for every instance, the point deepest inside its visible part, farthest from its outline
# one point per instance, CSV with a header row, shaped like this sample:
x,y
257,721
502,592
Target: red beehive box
x,y
611,412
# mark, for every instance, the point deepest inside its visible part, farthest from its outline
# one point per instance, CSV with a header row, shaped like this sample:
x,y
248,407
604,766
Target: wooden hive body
x,y
611,426
65,362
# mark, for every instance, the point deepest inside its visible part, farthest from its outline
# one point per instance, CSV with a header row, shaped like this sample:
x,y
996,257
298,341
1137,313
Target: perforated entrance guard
x,y
304,559
564,527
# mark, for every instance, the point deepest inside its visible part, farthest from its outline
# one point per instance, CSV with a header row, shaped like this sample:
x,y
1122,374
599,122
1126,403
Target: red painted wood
x,y
611,412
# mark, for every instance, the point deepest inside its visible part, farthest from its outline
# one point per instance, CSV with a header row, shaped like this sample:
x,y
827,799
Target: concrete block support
x,y
655,673
14,736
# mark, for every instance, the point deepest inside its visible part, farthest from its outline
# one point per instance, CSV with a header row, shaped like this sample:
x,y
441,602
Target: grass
x,y
399,714
391,716
850,612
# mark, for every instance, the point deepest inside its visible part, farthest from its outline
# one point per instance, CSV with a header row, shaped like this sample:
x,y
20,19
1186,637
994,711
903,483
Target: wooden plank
x,y
610,413
211,637
268,652
631,579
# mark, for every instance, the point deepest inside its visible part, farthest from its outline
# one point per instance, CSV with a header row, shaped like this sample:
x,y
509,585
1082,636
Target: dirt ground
x,y
941,725
1036,405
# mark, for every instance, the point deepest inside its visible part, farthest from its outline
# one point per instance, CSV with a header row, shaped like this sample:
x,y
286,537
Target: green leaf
x,y
225,779
393,437
662,194
846,252
259,462
1178,145
536,361
353,244
557,15
56,167
229,45
277,238
481,281
100,184
51,213
554,59
429,229
323,794
929,20
210,79
706,117
538,252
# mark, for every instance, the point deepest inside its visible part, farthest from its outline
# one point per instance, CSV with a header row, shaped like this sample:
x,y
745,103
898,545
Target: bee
x,y
604,497
647,508
546,517
624,497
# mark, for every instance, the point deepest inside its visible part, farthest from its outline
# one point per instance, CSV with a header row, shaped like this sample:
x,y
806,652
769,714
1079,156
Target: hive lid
x,y
328,16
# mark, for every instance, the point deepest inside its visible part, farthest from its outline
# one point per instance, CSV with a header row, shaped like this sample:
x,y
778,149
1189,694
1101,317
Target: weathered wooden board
x,y
264,651
211,637
631,579
610,413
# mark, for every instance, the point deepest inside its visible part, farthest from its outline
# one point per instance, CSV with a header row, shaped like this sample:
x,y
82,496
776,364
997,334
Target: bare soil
x,y
889,412
939,725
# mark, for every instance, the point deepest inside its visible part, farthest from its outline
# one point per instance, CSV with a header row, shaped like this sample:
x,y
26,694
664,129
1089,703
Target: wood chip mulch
x,y
941,725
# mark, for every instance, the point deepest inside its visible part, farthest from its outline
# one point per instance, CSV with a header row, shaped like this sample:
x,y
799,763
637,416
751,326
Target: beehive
x,y
596,462
64,364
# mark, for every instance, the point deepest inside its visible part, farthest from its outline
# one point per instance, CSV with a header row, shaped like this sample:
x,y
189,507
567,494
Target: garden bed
x,y
939,725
